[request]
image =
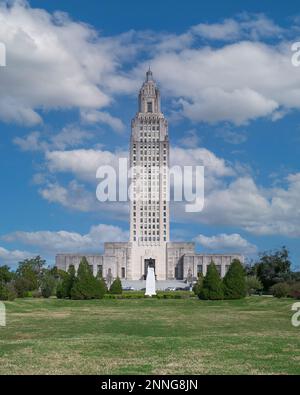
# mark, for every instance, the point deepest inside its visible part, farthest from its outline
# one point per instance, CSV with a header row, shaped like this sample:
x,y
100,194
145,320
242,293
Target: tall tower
x,y
149,161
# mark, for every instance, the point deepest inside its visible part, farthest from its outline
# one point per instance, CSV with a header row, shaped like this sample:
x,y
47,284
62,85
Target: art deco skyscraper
x,y
149,160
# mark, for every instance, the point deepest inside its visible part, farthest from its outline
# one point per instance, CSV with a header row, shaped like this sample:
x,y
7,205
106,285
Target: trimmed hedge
x,y
159,295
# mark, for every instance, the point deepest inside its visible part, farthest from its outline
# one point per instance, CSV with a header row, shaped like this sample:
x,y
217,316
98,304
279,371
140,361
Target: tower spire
x,y
149,75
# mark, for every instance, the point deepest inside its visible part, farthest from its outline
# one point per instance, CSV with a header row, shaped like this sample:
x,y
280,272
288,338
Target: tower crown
x,y
149,96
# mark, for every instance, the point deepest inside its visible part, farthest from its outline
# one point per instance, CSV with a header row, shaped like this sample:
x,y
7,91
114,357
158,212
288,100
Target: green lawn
x,y
150,336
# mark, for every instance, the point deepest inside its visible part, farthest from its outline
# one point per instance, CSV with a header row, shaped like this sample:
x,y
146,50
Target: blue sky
x,y
69,91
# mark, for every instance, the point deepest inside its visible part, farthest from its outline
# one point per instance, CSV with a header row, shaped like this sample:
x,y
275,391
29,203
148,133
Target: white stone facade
x,y
149,211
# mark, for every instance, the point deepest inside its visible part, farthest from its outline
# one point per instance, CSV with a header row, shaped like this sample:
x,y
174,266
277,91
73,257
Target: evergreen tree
x,y
235,281
102,282
198,285
116,287
212,288
68,282
85,285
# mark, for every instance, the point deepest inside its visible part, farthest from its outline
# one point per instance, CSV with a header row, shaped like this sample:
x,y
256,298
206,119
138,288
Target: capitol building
x,y
149,242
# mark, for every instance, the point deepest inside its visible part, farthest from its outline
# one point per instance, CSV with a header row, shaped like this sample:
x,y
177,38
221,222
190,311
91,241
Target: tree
x,y
48,283
273,267
253,284
30,270
116,287
102,282
86,286
198,285
5,274
234,281
66,283
212,284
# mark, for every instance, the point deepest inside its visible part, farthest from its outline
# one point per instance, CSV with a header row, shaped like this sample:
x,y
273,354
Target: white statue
x,y
150,282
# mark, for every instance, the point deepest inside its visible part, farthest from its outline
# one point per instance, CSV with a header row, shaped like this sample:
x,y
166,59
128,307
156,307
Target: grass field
x,y
188,336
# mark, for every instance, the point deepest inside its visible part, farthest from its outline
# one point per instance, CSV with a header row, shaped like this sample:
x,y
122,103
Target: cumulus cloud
x,y
54,242
260,211
11,257
70,136
52,62
232,196
55,62
190,139
237,82
94,116
245,26
83,163
227,243
74,196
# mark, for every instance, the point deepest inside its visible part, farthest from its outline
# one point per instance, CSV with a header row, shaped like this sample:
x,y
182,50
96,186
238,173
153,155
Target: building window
x,y
100,270
199,270
123,272
149,106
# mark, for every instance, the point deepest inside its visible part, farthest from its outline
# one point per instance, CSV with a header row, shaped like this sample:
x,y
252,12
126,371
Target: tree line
x,y
33,279
272,274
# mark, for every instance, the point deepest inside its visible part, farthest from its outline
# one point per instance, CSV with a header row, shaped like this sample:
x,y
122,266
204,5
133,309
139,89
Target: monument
x,y
150,280
149,215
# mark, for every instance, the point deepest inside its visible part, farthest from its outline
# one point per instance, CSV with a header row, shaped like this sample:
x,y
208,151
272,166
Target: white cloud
x,y
74,196
53,62
232,197
70,136
226,242
13,256
94,116
229,29
201,157
242,203
190,139
83,163
62,241
245,26
237,82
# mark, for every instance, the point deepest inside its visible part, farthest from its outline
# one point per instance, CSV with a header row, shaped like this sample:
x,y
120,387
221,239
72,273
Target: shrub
x,y
116,287
7,291
294,291
280,290
212,288
234,281
253,284
22,286
86,286
198,285
48,284
36,293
